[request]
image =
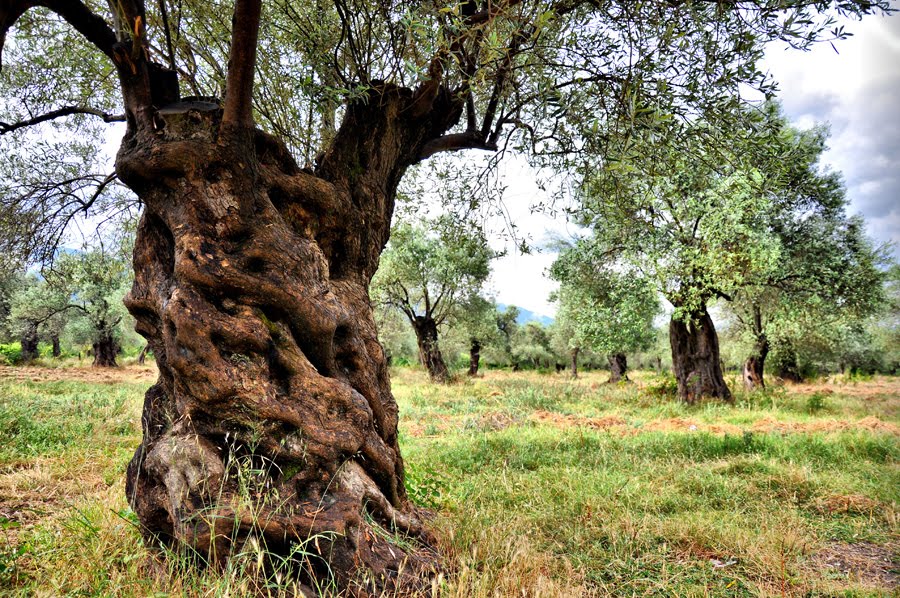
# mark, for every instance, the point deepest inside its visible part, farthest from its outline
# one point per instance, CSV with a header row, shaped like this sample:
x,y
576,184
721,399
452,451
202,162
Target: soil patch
x,y
878,387
846,503
681,424
870,565
871,424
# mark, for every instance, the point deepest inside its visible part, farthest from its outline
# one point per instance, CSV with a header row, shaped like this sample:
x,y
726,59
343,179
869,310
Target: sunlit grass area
x,y
541,486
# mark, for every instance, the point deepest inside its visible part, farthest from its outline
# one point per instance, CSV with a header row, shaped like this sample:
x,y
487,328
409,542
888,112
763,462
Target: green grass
x,y
543,486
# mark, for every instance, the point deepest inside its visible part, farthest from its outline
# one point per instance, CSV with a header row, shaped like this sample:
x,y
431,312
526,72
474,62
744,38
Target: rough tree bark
x,y
755,363
574,361
29,341
618,367
105,349
695,359
474,356
252,293
272,416
429,350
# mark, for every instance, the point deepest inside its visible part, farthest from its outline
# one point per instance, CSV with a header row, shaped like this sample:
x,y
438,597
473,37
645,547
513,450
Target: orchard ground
x,y
541,486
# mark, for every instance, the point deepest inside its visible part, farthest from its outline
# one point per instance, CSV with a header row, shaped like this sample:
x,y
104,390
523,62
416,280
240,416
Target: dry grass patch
x,y
567,421
90,375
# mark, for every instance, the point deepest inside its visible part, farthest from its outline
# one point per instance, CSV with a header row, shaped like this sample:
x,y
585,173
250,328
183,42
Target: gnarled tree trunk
x,y
474,356
429,350
251,289
695,359
29,341
105,349
618,367
755,364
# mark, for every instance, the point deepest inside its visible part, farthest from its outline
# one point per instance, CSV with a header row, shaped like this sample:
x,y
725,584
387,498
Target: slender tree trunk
x,y
755,363
427,338
29,342
57,350
474,356
574,361
618,368
142,356
251,288
695,359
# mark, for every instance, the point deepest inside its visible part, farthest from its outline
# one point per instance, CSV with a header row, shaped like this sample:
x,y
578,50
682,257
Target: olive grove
x,y
265,148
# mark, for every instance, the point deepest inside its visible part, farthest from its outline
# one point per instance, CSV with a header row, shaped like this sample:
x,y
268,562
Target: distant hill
x,y
526,315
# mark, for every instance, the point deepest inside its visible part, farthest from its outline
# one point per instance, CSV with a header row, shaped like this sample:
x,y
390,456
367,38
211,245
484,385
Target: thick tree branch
x,y
238,108
76,13
59,113
454,142
722,295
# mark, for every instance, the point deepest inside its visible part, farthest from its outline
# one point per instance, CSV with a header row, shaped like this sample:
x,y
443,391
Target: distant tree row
x,y
745,219
80,297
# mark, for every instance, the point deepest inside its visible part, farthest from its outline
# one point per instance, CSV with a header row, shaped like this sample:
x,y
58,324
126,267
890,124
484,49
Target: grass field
x,y
542,486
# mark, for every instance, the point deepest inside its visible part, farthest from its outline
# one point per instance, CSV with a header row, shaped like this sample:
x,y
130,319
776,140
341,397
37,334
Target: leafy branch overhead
x,y
551,78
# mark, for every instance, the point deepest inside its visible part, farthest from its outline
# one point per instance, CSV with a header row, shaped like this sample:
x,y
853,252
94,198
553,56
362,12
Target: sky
x,y
854,86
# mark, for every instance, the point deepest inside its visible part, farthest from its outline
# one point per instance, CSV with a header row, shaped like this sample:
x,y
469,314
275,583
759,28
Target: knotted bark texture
x,y
272,416
429,349
695,359
618,367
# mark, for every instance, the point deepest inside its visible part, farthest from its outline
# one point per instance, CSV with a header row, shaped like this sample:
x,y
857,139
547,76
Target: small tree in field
x,y
827,281
37,309
507,322
475,320
608,311
426,272
94,284
749,218
532,345
694,228
395,335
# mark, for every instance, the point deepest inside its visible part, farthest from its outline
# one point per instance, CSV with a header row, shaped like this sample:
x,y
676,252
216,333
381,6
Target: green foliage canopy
x,y
550,78
428,269
605,310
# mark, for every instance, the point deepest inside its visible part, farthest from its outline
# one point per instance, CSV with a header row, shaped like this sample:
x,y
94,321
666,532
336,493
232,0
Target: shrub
x,y
11,354
665,386
815,402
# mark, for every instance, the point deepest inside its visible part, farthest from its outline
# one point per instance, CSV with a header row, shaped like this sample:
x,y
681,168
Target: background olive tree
x,y
427,271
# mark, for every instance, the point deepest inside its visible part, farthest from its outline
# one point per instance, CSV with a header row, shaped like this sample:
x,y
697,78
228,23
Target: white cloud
x,y
856,89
